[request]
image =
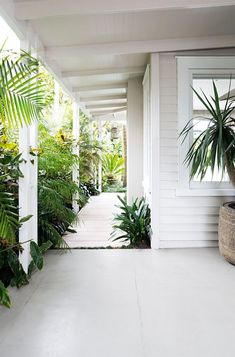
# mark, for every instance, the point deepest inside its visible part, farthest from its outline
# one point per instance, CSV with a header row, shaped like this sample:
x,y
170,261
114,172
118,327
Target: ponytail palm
x,y
214,148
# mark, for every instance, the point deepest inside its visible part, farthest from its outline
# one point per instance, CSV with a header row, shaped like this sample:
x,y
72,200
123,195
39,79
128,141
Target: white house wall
x,y
183,221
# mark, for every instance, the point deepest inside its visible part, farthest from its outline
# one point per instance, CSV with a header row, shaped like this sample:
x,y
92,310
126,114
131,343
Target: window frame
x,y
188,68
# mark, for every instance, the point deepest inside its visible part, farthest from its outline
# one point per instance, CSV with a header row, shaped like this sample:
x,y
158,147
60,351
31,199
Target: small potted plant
x,y
214,148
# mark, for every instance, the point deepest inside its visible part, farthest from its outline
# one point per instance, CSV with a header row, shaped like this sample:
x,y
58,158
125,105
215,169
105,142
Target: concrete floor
x,y
124,303
95,222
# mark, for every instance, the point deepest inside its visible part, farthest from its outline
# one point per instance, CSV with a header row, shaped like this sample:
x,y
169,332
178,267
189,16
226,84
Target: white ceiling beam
x,y
104,98
28,10
97,113
103,71
105,106
99,87
131,47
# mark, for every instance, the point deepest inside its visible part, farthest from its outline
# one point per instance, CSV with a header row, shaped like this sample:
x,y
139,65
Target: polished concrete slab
x,y
124,303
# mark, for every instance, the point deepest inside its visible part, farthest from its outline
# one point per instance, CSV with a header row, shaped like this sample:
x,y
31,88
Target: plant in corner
x,y
133,224
214,148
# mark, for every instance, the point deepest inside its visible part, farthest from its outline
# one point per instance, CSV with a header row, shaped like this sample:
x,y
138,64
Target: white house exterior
x,y
136,59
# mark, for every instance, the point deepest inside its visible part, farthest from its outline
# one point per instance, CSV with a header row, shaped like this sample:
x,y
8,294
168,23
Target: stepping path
x,y
95,223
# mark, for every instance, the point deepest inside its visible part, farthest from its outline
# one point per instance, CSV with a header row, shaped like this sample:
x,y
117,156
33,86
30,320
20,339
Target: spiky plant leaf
x,y
215,146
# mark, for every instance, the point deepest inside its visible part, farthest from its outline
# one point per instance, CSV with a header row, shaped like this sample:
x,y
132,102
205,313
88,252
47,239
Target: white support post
x,y
28,185
24,195
94,168
134,139
155,148
56,104
76,135
100,161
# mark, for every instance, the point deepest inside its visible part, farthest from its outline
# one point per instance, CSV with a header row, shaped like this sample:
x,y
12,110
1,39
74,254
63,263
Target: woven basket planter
x,y
227,231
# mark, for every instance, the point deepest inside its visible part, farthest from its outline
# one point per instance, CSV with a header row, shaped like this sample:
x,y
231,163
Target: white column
x,y
155,148
100,161
76,136
24,195
134,138
28,185
56,104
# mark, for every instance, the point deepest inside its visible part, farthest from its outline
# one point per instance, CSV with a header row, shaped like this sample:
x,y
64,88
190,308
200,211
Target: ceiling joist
x,y
97,113
29,10
100,87
101,98
104,71
105,106
132,47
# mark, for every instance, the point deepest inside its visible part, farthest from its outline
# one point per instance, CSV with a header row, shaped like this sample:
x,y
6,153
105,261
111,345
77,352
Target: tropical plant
x,y
22,98
112,166
22,94
89,152
133,224
55,186
215,146
11,270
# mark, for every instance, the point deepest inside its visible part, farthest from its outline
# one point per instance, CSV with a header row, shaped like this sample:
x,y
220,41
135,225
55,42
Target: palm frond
x,y
22,96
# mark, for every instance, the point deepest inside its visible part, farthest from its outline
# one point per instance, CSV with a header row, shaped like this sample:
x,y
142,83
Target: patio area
x,y
124,303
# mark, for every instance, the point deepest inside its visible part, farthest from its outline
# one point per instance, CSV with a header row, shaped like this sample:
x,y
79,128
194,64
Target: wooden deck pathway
x,y
95,223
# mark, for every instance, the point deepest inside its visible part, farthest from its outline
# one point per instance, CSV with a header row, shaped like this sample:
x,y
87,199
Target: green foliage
x,y
22,94
4,296
9,220
55,186
9,175
112,166
215,146
89,152
11,270
133,224
22,99
37,255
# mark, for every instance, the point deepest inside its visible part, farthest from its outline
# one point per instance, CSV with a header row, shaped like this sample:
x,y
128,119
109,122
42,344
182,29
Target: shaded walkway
x,y
95,223
124,303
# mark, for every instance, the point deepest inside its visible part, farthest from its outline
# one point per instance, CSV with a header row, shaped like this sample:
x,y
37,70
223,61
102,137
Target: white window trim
x,y
188,67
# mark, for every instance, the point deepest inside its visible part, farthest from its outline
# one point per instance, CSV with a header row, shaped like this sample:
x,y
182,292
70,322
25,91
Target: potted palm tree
x,y
214,148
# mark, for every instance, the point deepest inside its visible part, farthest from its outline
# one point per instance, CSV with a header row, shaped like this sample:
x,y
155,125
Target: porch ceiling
x,y
96,46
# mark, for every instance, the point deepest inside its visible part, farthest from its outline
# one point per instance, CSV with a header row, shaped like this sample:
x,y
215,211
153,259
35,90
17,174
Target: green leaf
x,y
31,268
20,277
45,246
36,255
26,218
4,296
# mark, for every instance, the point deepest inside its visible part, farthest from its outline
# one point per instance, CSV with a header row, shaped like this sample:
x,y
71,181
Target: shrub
x,y
133,224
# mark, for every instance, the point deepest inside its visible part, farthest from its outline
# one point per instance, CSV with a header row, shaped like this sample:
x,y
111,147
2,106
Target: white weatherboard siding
x,y
184,221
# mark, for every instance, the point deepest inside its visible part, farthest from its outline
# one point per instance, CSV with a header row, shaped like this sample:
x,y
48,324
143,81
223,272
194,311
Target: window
x,y
199,72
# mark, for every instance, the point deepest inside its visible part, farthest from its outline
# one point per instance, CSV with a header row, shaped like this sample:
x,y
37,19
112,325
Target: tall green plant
x,y
133,224
113,167
55,186
215,146
22,98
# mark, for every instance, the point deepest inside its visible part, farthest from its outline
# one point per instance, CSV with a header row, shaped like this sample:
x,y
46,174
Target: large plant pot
x,y
227,231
